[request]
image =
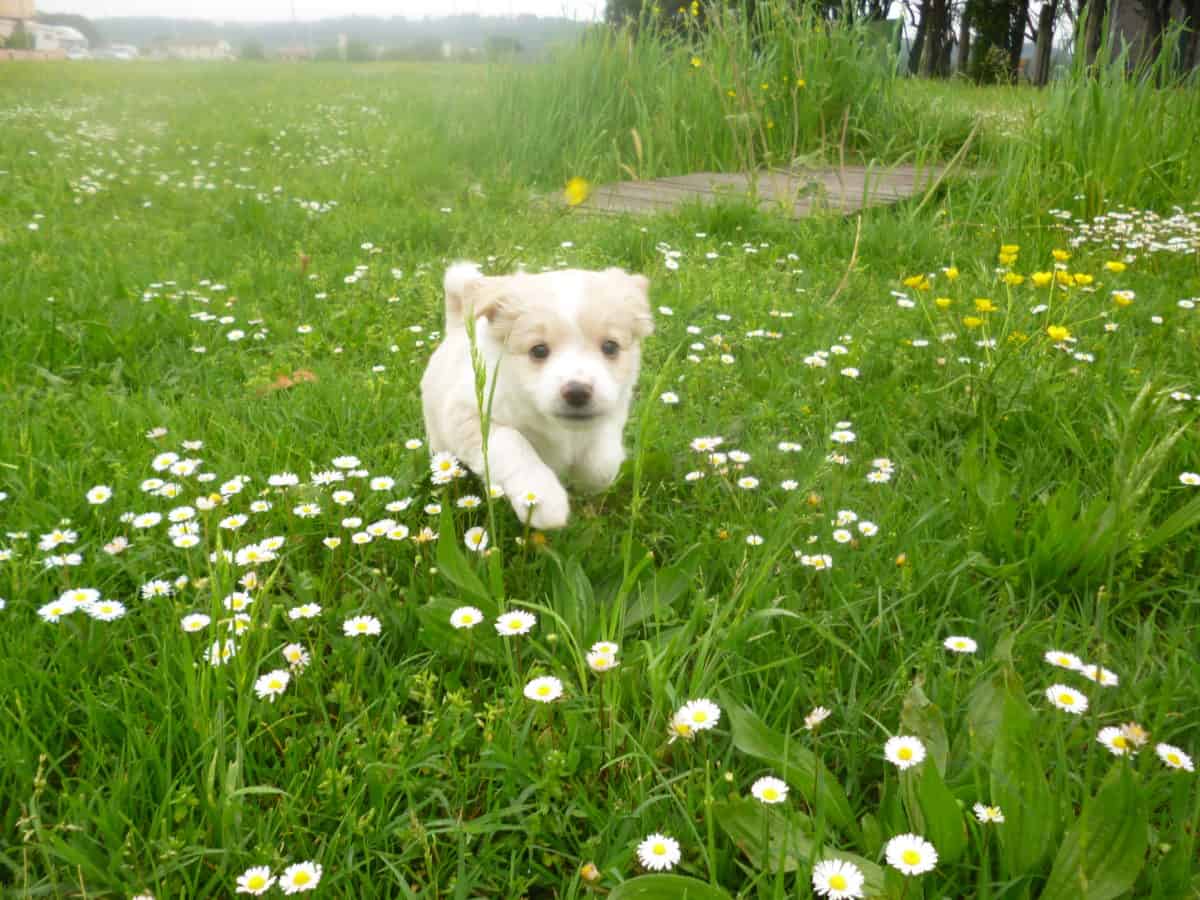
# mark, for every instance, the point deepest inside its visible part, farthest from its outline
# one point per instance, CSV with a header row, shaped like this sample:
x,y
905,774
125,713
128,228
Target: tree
x,y
253,50
20,39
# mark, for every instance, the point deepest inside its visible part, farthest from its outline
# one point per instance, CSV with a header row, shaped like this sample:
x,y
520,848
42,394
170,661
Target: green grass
x,y
1036,503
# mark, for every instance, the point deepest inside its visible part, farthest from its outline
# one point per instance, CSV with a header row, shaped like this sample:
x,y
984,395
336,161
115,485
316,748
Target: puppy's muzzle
x,y
577,395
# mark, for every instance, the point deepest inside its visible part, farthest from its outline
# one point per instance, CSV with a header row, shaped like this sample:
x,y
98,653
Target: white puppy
x,y
563,348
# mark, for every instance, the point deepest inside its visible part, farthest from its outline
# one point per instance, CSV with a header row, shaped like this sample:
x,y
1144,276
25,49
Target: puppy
x,y
563,349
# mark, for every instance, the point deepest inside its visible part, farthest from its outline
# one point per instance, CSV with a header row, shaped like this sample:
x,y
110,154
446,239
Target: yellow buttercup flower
x,y
1013,279
1083,279
943,302
1041,279
984,305
1066,279
1060,255
696,63
972,321
800,83
951,272
1057,332
1010,249
1115,265
1007,259
919,282
577,191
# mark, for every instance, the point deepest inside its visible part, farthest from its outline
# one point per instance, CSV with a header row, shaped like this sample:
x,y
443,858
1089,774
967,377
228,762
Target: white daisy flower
x,y
516,622
658,852
769,790
987,814
911,854
960,644
544,689
300,877
1174,758
838,879
904,751
272,684
466,617
1067,699
359,626
256,881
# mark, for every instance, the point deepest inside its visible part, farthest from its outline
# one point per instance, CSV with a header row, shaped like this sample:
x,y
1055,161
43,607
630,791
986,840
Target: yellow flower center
x,y
837,882
904,753
301,877
1066,699
543,690
256,882
700,716
770,794
911,857
659,849
1119,741
1173,759
361,626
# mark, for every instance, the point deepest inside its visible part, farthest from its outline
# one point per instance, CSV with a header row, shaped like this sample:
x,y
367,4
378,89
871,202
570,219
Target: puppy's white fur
x,y
554,418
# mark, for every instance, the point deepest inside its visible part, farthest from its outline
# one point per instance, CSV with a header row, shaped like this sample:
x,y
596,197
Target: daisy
x,y
1063,660
904,751
748,483
193,622
1067,699
1102,676
986,814
296,656
698,715
769,790
304,876
879,476
105,610
959,644
399,533
601,662
476,539
658,852
911,854
234,522
147,520
271,685
516,622
1192,479
466,617
56,609
1174,758
469,501
868,529
837,879
842,536
754,540
1115,740
544,690
307,611
843,437
361,625
101,493
220,653
816,717
307,510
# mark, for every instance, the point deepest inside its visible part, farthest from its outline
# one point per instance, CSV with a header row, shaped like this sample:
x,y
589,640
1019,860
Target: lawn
x,y
931,471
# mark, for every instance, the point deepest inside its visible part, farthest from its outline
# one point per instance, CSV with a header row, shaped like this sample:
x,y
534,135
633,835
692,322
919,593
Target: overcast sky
x,y
281,10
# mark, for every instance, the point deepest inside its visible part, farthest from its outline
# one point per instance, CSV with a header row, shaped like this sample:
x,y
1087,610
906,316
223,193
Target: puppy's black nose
x,y
577,394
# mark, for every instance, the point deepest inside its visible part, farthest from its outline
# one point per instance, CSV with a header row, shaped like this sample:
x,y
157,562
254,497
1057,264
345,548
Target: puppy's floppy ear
x,y
492,298
635,292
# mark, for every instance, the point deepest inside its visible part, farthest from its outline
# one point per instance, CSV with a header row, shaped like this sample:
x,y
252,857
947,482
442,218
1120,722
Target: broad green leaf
x,y
793,762
786,837
453,564
944,823
1019,788
1101,856
666,887
922,718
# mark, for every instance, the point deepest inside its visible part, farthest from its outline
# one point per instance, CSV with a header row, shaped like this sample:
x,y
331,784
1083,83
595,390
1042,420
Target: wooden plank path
x,y
794,192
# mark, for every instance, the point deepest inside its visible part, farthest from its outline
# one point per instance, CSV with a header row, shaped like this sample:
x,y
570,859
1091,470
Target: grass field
x,y
852,442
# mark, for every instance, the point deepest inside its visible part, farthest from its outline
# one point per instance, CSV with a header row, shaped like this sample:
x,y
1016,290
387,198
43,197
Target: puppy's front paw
x,y
550,506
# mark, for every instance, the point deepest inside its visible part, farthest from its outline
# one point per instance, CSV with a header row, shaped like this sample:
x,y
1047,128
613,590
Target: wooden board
x,y
795,192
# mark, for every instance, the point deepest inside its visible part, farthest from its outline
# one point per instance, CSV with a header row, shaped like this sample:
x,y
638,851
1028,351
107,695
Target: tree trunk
x,y
918,44
964,40
1018,21
1190,40
1096,10
1045,43
938,13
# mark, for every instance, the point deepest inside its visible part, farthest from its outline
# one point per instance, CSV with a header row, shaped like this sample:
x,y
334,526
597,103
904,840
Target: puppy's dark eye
x,y
610,348
539,351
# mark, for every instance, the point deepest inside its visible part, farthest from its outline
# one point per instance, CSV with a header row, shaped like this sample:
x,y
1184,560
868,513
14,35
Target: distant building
x,y
56,37
14,12
195,50
293,54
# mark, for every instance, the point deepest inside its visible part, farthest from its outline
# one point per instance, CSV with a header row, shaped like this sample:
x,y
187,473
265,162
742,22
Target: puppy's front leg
x,y
598,467
516,467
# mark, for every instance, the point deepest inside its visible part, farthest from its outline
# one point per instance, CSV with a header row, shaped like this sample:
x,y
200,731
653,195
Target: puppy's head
x,y
571,339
